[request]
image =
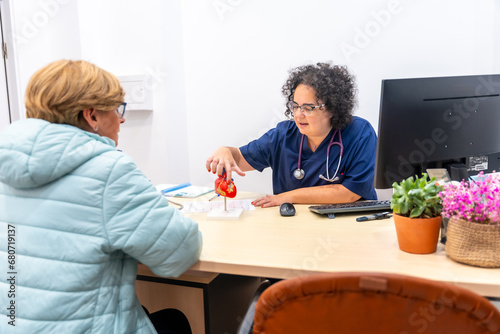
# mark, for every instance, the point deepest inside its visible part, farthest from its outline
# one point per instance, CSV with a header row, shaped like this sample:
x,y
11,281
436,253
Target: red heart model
x,y
224,187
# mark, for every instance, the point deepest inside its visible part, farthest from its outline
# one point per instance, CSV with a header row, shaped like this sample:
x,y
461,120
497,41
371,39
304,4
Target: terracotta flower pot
x,y
417,235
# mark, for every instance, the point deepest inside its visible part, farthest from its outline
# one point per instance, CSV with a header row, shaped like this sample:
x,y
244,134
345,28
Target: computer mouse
x,y
287,209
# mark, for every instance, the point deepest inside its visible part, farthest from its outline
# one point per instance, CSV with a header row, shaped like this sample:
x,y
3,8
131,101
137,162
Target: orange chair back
x,y
353,303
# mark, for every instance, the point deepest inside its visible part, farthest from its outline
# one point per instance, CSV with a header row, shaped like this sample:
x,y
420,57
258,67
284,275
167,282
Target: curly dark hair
x,y
334,86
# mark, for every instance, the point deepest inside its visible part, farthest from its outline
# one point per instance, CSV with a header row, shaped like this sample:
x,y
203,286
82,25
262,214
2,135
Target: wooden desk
x,y
264,244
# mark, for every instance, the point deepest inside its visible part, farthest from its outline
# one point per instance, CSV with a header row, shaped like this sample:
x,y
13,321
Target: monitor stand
x,y
458,172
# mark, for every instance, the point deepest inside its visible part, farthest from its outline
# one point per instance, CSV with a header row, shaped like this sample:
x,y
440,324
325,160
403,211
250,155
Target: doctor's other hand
x,y
270,200
221,160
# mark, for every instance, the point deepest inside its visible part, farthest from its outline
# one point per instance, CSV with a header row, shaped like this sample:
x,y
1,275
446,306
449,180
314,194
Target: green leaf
x,y
417,211
417,197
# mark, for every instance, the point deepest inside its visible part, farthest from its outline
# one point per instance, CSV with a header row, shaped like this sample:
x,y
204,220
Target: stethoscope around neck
x,y
299,172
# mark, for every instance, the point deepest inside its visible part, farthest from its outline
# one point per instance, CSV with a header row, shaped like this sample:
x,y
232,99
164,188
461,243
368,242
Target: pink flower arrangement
x,y
476,201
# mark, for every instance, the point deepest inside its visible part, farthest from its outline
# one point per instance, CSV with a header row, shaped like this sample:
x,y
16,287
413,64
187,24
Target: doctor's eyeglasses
x,y
306,109
120,111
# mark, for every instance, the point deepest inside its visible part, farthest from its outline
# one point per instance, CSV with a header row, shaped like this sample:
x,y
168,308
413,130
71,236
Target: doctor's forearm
x,y
336,193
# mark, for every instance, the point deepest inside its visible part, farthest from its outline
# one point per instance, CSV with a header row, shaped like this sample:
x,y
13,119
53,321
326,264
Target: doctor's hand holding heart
x,y
225,187
324,155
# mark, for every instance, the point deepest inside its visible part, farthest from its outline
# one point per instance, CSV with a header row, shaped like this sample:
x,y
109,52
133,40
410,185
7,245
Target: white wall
x,y
130,37
237,57
44,31
217,66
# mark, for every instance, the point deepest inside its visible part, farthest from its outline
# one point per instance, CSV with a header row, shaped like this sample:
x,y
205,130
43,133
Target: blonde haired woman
x,y
81,213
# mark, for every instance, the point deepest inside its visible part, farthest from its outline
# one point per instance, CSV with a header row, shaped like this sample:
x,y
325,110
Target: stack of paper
x,y
206,206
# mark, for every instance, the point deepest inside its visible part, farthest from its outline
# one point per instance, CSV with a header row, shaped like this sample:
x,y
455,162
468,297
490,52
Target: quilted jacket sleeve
x,y
139,222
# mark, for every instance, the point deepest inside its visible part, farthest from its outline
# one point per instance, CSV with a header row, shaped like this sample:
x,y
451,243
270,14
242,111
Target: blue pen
x,y
174,188
214,197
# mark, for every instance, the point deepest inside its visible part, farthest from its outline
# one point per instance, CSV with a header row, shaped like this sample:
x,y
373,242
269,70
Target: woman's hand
x,y
224,159
270,200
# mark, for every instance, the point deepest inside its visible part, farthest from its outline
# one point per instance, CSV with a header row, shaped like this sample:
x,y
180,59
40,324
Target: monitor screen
x,y
441,122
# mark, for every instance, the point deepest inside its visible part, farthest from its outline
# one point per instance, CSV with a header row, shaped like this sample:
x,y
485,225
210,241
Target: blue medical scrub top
x,y
279,149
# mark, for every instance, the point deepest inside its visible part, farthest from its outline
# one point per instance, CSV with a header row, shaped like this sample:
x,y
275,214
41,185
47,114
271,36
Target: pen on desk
x,y
176,187
214,197
382,215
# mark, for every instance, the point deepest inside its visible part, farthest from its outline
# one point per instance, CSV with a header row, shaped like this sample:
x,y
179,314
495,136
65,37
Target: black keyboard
x,y
360,206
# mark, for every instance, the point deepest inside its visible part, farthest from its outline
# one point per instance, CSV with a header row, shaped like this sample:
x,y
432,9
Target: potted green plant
x,y
417,214
473,229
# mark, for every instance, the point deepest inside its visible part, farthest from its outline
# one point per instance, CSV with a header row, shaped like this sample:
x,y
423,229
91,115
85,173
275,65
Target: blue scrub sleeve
x,y
259,153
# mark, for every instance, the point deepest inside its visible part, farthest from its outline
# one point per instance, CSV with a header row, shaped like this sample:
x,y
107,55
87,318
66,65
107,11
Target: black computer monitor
x,y
442,122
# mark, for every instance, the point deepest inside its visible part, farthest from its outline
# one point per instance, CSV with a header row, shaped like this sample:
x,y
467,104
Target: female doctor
x,y
325,155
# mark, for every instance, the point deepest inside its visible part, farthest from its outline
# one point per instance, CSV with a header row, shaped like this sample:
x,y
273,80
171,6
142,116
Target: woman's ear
x,y
89,115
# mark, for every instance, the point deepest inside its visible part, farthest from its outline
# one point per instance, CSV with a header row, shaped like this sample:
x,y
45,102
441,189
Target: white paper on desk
x,y
187,192
207,206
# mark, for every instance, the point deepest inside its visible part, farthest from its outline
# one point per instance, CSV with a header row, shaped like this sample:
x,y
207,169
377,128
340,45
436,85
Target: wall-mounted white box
x,y
137,94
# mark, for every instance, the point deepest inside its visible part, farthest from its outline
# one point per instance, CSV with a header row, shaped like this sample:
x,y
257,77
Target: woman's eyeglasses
x,y
120,111
306,109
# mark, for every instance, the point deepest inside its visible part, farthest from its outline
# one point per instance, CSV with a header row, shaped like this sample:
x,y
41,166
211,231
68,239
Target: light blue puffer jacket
x,y
81,215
